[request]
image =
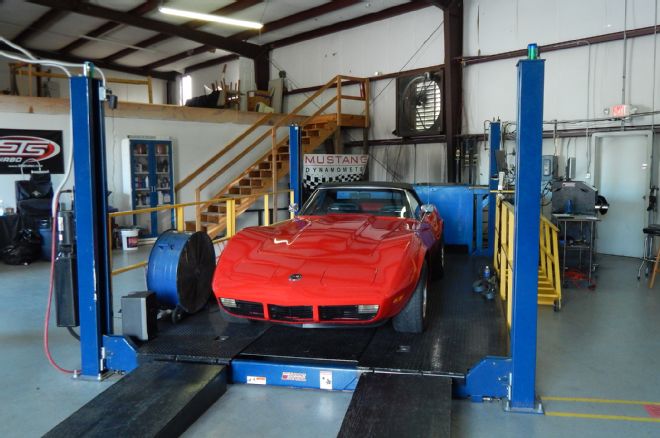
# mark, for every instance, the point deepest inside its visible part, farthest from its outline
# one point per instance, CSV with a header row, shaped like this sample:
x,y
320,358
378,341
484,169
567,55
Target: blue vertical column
x,y
91,223
494,146
526,236
295,163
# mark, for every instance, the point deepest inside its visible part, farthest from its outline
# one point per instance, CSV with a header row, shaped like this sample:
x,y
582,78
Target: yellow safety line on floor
x,y
603,417
600,400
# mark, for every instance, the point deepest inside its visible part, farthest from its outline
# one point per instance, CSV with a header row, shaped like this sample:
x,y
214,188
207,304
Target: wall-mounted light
x,y
210,17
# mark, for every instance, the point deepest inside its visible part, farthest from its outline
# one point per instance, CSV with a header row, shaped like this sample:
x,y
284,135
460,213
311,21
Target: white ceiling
x,y
17,15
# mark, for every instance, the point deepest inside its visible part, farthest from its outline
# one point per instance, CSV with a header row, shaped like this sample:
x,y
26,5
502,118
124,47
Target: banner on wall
x,y
326,168
30,149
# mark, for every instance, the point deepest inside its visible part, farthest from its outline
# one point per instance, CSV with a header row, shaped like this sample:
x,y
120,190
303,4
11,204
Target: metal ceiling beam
x,y
210,63
168,76
328,7
179,56
238,47
605,38
158,38
42,23
142,9
268,27
348,24
296,18
442,4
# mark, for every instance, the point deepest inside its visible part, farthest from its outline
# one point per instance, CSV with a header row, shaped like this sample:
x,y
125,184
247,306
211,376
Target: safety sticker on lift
x,y
326,380
256,380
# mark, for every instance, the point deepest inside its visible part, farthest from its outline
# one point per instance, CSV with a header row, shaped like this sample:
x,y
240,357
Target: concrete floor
x,y
603,344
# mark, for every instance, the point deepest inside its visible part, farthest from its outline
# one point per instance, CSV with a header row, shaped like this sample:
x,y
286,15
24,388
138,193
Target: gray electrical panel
x,y
549,169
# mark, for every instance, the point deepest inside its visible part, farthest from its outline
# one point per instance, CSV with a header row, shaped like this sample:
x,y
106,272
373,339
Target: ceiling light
x,y
210,17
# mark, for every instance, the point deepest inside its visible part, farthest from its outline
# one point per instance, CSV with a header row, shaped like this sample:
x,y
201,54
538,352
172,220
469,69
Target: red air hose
x,y
50,294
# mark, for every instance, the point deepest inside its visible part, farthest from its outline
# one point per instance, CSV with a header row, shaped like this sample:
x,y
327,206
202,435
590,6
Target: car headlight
x,y
368,308
228,302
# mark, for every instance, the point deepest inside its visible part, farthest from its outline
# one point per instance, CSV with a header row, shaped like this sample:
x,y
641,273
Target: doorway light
x,y
210,17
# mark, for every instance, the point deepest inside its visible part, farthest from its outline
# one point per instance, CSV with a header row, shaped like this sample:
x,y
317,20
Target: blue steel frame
x,y
526,236
97,343
512,378
295,163
334,377
494,145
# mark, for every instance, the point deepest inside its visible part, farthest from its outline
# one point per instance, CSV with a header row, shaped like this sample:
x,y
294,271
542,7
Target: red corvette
x,y
357,254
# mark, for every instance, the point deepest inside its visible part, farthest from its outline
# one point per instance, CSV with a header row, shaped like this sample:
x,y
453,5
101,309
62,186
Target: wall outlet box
x,y
587,176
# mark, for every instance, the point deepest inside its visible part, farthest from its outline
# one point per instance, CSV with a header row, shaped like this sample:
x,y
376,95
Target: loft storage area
x,y
354,218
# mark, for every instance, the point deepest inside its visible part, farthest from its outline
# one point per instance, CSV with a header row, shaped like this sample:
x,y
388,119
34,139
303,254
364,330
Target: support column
x,y
91,209
262,70
295,161
453,33
526,236
493,146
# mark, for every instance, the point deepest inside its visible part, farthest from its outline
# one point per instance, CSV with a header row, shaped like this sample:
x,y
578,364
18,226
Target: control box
x,y
550,166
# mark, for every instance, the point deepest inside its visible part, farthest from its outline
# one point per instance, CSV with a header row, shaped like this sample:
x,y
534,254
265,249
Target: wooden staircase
x,y
261,177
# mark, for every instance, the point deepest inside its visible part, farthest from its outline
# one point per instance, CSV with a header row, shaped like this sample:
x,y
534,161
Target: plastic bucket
x,y
129,239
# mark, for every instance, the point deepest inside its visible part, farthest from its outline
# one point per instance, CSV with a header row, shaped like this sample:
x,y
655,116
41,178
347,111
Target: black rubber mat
x,y
203,337
399,405
311,344
156,399
463,328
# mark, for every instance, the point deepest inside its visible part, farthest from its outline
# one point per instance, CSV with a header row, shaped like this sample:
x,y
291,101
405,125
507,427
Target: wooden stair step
x,y
191,226
212,217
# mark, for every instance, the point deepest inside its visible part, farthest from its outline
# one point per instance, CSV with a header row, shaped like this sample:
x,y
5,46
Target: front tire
x,y
413,317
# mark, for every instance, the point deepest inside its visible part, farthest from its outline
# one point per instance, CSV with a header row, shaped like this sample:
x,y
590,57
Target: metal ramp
x,y
398,405
157,399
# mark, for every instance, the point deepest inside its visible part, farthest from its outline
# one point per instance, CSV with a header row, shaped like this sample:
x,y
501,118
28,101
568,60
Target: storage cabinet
x,y
148,182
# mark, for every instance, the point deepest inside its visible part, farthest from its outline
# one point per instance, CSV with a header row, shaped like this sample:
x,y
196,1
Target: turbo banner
x,y
30,149
326,168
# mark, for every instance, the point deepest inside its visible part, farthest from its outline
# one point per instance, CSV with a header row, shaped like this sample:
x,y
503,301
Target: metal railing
x,y
276,143
549,292
231,217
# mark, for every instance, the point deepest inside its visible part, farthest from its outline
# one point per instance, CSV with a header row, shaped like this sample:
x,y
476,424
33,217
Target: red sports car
x,y
357,254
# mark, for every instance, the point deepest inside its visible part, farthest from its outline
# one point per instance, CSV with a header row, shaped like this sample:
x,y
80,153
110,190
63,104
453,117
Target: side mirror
x,y
428,208
293,209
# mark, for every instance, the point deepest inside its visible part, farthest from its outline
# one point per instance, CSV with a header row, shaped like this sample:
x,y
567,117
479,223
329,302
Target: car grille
x,y
290,313
335,313
247,308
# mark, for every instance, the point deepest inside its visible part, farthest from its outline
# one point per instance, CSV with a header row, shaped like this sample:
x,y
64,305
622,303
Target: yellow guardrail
x,y
179,209
549,292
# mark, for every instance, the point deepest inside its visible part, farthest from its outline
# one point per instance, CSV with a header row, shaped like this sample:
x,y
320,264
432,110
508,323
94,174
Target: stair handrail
x,y
337,98
194,174
336,81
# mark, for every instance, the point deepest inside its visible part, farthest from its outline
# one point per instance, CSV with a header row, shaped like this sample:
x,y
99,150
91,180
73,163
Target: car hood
x,y
323,249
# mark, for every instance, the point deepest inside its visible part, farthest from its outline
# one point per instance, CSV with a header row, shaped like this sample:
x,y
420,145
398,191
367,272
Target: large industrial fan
x,y
419,105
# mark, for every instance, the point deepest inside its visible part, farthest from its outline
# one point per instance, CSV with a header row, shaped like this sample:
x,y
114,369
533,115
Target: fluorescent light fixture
x,y
210,17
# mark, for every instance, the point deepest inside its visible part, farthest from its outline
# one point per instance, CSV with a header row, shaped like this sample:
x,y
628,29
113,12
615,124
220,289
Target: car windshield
x,y
344,200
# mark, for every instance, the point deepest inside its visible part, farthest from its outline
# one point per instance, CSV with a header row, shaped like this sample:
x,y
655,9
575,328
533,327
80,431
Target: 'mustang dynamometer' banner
x,y
325,168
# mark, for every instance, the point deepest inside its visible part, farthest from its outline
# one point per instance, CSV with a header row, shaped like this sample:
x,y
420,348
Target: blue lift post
x,y
494,146
100,350
526,237
295,163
